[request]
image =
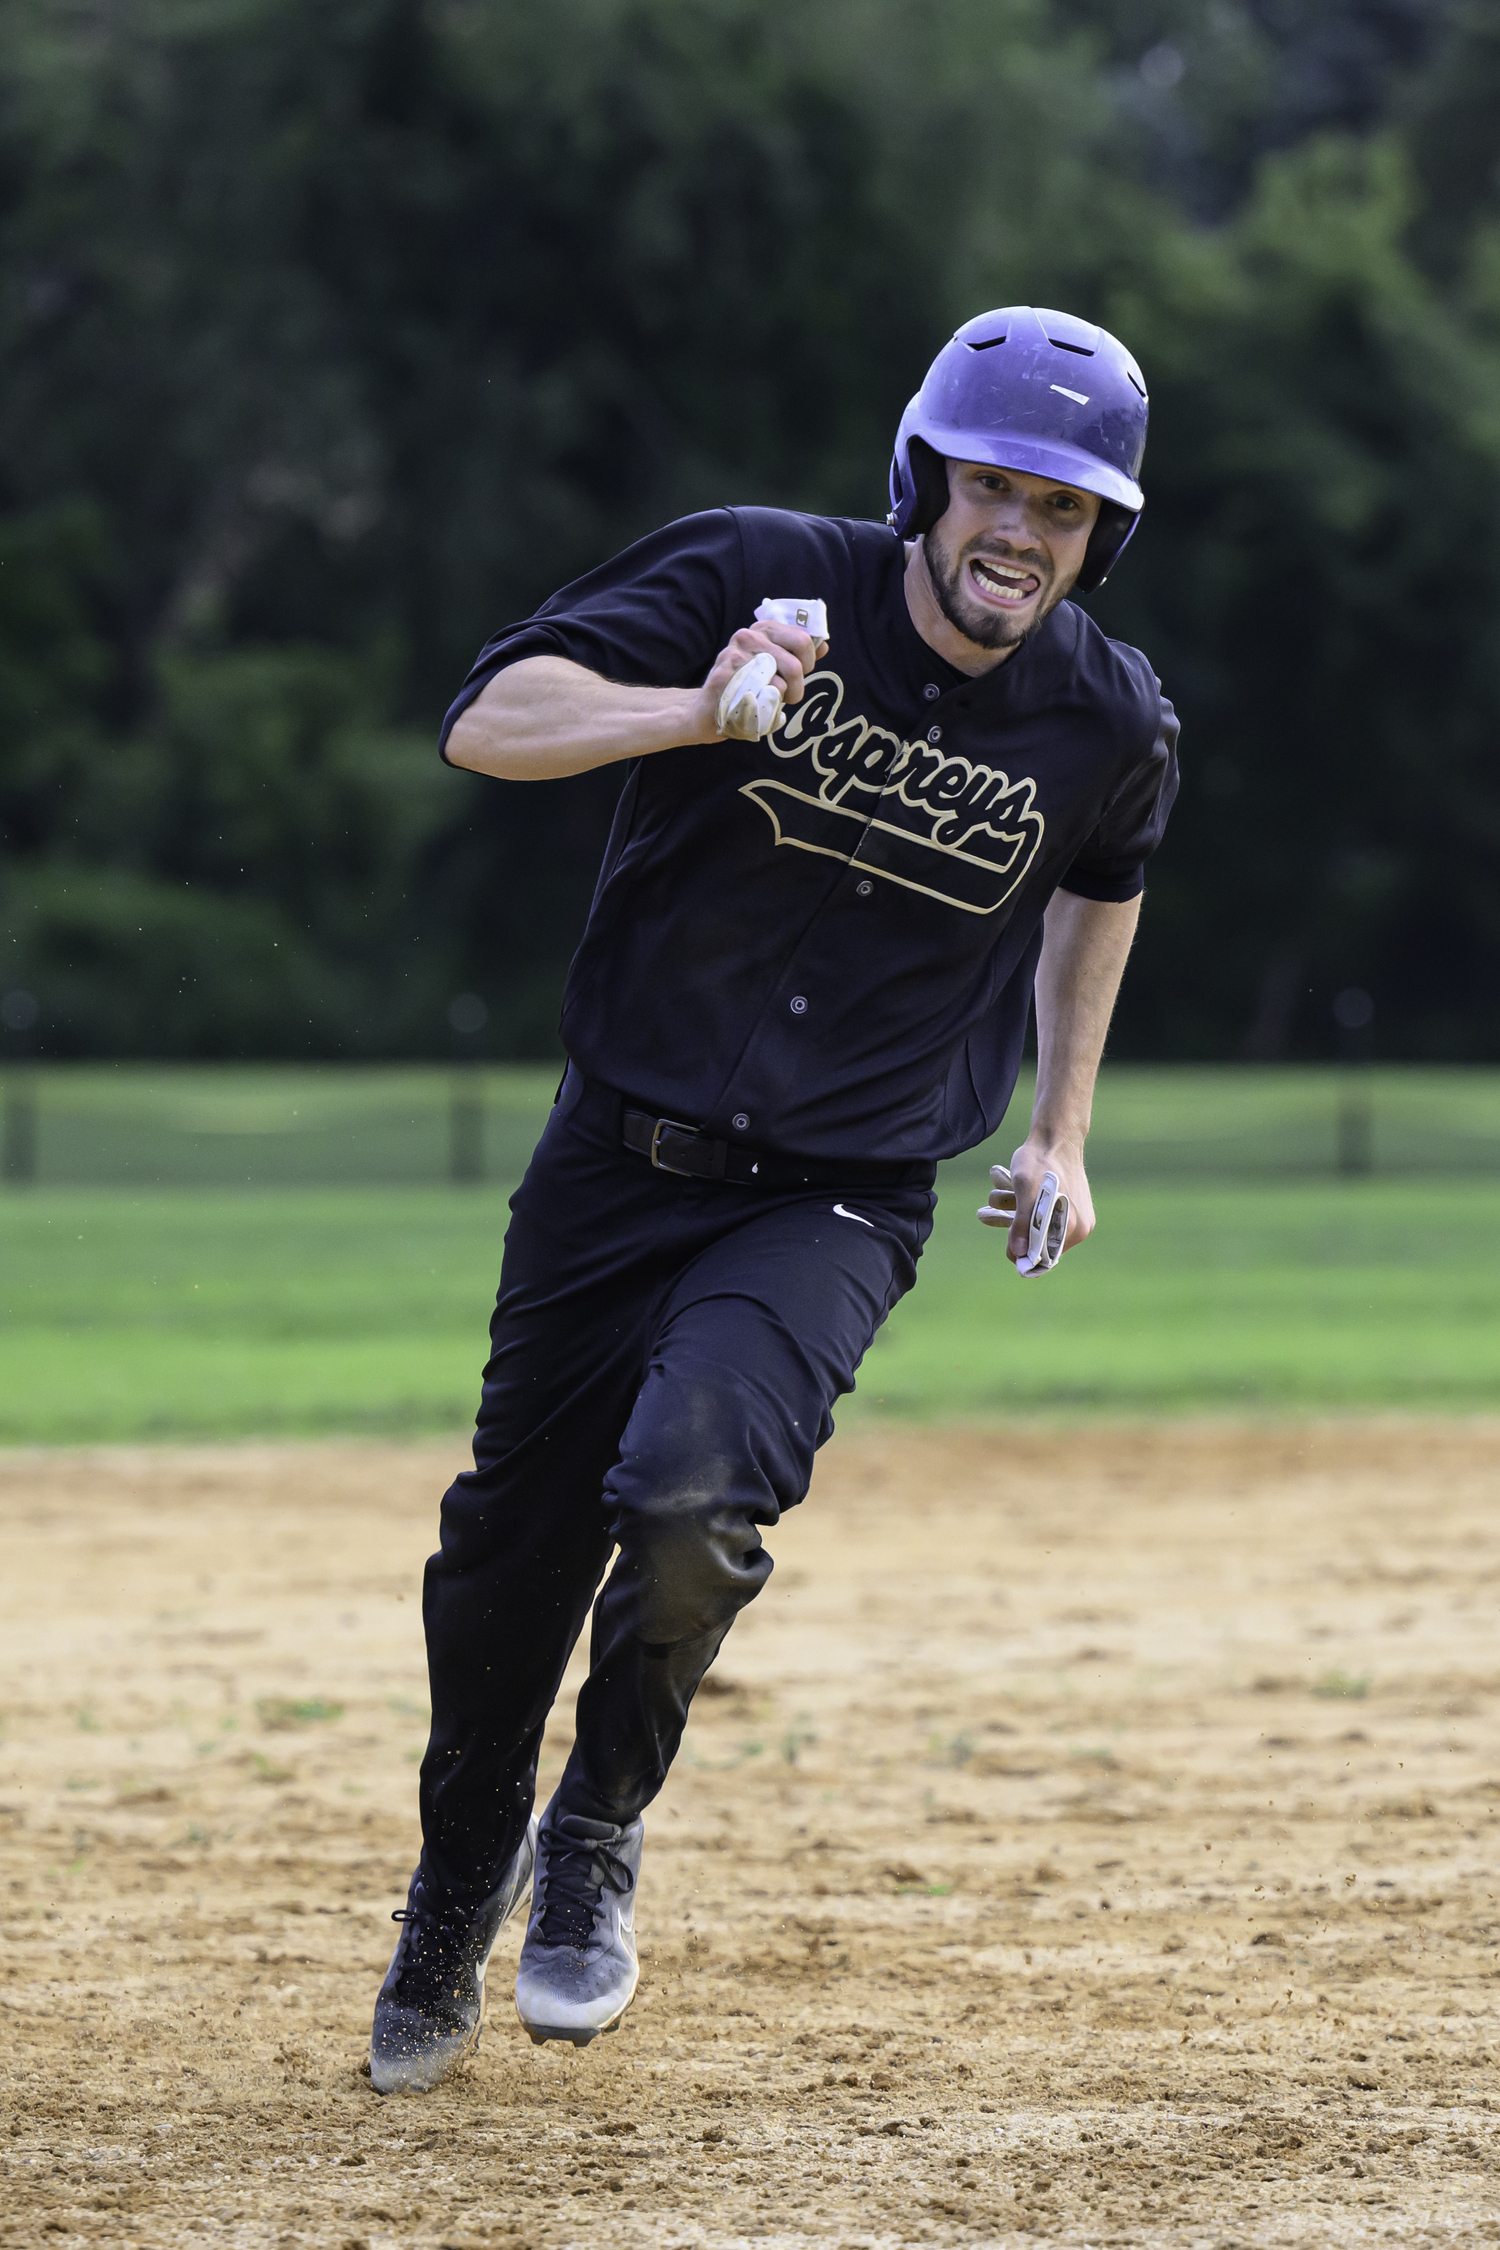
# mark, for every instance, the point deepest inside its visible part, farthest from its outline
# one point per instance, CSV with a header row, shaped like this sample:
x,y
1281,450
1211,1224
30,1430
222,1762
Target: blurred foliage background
x,y
335,333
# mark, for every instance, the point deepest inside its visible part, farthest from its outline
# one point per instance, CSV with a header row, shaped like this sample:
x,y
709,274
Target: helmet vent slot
x,y
1067,334
985,343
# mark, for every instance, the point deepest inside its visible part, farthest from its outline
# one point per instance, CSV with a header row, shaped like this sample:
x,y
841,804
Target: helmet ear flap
x,y
1112,529
929,476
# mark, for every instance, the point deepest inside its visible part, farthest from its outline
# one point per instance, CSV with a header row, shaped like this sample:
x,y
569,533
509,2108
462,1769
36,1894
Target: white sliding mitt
x,y
751,706
1048,1230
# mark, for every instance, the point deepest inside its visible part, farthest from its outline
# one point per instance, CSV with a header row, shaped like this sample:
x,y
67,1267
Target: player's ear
x,y
929,475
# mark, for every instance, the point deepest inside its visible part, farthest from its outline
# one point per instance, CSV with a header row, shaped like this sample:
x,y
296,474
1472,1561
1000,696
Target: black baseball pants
x,y
664,1358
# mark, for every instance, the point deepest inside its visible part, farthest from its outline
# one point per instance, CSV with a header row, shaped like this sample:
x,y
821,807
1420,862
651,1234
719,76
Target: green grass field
x,y
143,1311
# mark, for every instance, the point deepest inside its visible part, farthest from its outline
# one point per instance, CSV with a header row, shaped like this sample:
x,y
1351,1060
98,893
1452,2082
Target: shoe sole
x,y
543,2035
550,2038
426,2081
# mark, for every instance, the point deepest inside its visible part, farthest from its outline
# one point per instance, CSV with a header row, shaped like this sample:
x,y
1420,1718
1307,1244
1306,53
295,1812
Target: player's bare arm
x,y
545,717
1083,958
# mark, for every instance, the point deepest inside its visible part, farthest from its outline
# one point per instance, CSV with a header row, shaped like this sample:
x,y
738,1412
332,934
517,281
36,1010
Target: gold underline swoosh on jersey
x,y
955,877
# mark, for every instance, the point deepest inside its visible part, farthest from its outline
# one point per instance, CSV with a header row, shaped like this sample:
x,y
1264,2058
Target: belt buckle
x,y
670,1125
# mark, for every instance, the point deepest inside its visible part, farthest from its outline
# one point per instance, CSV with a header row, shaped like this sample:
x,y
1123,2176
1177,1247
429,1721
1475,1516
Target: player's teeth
x,y
1002,585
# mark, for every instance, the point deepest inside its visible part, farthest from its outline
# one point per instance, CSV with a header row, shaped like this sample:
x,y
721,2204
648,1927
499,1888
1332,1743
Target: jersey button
x,y
934,734
931,692
799,1005
863,890
740,1121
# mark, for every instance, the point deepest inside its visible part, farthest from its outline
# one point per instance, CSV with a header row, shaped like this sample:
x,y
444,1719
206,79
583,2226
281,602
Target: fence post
x,y
1356,1132
18,1016
1354,1013
18,1129
467,1017
466,1126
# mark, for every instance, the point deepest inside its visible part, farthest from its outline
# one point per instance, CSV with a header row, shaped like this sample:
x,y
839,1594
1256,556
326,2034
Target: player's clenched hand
x,y
1011,1207
794,651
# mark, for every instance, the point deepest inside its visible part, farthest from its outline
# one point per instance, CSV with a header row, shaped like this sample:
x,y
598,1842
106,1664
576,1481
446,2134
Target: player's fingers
x,y
749,642
751,639
1080,1226
793,666
726,664
794,650
794,637
1023,1192
789,672
995,1218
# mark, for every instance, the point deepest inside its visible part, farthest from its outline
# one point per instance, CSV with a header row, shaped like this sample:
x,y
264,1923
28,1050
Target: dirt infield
x,y
1088,1837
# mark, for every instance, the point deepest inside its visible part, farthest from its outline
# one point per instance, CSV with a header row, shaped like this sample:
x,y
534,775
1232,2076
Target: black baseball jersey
x,y
824,942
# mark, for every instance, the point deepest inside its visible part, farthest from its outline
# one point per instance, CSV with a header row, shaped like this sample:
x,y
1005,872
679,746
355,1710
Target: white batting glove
x,y
1048,1230
751,706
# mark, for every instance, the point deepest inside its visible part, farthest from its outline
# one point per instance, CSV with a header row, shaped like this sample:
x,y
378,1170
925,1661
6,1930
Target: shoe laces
x,y
578,1871
432,1946
441,1925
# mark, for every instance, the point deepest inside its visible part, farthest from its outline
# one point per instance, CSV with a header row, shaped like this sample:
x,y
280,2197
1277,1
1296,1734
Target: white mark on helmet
x,y
1081,397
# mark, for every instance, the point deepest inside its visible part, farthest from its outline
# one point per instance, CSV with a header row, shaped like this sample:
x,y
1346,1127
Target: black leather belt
x,y
696,1155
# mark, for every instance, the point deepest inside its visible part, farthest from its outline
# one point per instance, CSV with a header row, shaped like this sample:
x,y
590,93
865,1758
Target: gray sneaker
x,y
578,1970
431,2005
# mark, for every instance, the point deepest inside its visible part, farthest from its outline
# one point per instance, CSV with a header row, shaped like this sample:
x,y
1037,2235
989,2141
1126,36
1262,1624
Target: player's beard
x,y
986,628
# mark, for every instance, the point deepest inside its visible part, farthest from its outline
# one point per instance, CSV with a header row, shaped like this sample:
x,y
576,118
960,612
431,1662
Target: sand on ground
x,y
1089,1836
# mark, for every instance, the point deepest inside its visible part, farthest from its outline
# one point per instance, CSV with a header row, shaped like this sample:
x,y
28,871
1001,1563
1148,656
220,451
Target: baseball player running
x,y
885,783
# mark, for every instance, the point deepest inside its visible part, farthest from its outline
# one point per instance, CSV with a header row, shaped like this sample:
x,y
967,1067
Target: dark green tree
x,y
337,332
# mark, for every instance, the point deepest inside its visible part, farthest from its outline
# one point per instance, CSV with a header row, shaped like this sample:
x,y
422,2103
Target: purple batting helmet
x,y
1032,390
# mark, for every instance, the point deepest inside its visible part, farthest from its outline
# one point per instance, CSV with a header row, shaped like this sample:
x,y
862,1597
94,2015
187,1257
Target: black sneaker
x,y
431,2004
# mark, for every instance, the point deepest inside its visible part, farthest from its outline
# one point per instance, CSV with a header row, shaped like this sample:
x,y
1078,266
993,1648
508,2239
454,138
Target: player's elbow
x,y
507,731
470,744
486,739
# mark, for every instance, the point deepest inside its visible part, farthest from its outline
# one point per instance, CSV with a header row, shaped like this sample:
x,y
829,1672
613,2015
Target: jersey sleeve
x,y
1112,864
655,616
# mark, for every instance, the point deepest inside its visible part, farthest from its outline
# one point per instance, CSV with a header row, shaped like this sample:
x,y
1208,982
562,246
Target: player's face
x,y
1006,551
